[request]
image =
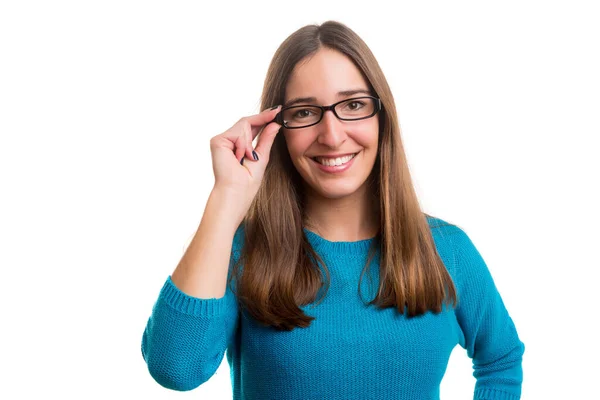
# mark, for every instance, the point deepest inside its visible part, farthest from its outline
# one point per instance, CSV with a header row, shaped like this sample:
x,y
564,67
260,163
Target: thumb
x,y
266,139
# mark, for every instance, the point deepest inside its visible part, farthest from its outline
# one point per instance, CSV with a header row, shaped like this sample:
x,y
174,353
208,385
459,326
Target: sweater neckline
x,y
357,247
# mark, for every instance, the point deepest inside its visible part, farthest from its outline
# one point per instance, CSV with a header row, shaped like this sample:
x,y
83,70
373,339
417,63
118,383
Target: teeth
x,y
334,161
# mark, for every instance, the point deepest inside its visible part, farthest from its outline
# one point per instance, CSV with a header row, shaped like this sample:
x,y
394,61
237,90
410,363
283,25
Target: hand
x,y
228,148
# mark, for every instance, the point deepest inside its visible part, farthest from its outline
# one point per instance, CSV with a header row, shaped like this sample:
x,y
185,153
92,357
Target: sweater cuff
x,y
491,394
186,304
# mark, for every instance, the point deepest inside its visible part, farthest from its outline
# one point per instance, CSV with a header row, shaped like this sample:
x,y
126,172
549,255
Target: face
x,y
324,78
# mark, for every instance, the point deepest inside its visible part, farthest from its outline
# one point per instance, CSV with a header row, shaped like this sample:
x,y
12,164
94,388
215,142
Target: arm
x,y
490,336
195,316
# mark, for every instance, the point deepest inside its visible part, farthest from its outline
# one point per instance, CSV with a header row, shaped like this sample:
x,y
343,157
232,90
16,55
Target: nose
x,y
331,130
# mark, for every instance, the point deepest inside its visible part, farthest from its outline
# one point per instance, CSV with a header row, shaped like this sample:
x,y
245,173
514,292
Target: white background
x,y
107,109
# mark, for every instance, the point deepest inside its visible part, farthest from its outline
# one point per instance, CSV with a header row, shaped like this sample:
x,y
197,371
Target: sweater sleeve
x,y
186,337
490,336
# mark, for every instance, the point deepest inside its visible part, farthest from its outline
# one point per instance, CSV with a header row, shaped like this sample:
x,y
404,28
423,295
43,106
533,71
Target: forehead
x,y
323,75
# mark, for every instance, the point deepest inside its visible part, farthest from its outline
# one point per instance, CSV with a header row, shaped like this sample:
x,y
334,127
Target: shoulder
x,y
451,235
462,258
445,233
439,225
452,243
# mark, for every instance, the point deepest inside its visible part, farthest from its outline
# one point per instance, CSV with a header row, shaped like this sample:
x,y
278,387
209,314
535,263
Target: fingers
x,y
263,117
251,126
249,149
240,147
266,139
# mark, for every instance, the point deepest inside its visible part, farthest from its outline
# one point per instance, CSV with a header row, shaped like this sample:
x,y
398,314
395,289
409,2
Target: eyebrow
x,y
312,100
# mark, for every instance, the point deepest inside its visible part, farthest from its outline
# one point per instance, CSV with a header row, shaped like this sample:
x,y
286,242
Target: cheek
x,y
367,137
296,145
367,133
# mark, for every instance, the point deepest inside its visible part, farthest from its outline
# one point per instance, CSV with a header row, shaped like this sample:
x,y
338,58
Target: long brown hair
x,y
279,264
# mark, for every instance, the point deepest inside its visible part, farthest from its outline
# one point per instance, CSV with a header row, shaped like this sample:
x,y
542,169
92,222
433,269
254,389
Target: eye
x,y
355,105
303,113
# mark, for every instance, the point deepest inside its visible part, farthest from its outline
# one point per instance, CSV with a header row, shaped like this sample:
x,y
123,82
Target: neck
x,y
346,219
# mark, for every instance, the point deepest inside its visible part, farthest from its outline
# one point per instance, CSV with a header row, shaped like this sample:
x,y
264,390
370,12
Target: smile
x,y
336,165
334,162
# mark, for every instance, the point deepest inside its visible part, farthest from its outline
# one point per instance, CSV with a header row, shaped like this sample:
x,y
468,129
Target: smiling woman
x,y
274,274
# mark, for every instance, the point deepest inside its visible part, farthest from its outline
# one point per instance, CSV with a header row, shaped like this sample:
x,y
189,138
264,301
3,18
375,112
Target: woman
x,y
313,265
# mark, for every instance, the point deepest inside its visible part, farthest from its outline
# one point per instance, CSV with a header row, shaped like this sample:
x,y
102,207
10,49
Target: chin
x,y
335,191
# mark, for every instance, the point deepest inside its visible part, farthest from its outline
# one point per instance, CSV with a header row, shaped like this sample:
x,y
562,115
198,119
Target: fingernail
x,y
254,155
242,161
274,107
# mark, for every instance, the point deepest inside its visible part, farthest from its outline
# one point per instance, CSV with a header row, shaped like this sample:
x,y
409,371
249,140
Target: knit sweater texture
x,y
351,350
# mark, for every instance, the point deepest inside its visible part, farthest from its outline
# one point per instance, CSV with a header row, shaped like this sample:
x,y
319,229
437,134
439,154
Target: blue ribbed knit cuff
x,y
491,394
184,303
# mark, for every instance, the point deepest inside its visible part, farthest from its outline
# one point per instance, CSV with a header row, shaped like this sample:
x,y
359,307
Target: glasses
x,y
354,109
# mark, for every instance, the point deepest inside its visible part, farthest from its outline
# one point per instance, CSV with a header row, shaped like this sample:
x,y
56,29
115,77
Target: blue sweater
x,y
350,351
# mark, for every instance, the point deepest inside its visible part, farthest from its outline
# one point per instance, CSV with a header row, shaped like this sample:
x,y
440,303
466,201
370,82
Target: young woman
x,y
314,267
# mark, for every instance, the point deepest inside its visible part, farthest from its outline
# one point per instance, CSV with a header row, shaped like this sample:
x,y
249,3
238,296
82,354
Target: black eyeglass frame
x,y
279,117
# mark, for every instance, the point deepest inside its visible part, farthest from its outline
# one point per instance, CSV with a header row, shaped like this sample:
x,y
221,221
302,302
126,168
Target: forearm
x,y
202,271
